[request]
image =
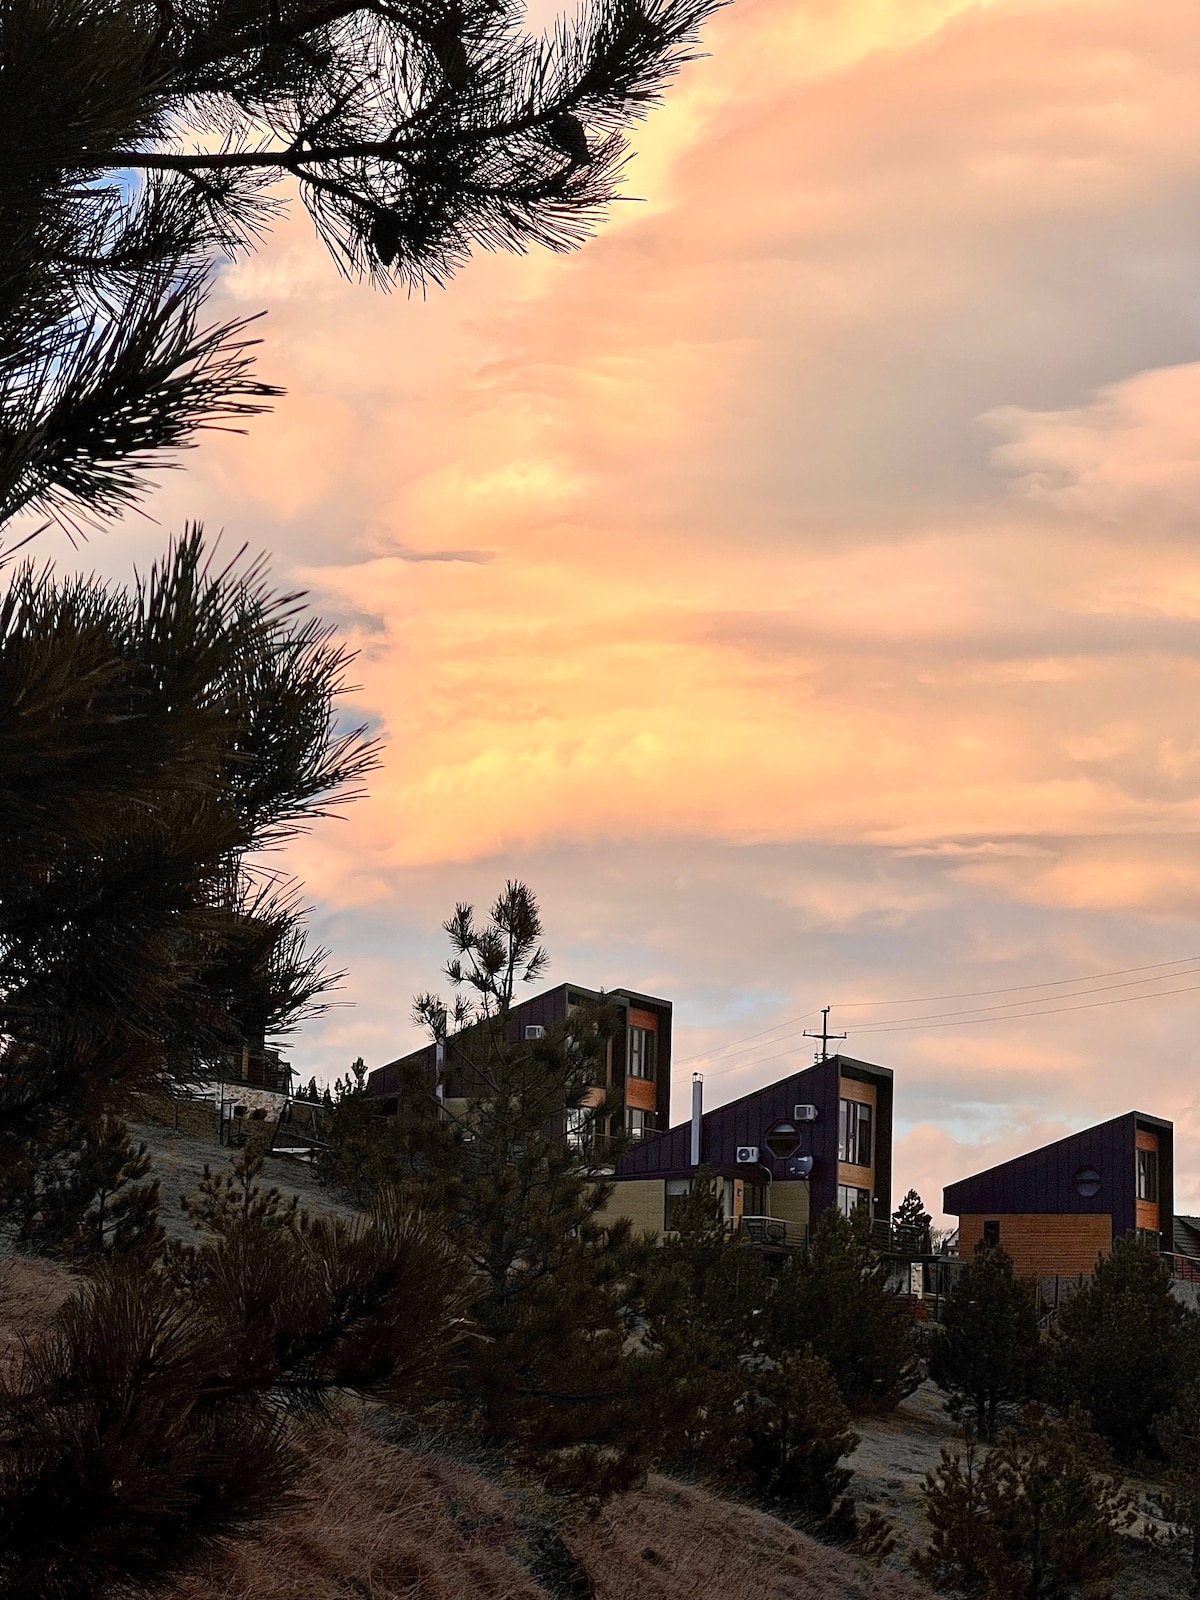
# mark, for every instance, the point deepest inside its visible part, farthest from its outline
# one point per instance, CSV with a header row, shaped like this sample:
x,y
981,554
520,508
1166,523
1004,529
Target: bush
x,y
781,1432
1121,1346
835,1300
987,1353
153,1421
1035,1519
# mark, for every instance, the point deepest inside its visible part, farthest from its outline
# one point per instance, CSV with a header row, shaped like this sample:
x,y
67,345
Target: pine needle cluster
x,y
141,142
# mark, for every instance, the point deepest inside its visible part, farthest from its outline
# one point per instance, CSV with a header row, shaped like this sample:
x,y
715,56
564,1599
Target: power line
x,y
1125,1000
968,1020
1104,988
1053,983
723,1054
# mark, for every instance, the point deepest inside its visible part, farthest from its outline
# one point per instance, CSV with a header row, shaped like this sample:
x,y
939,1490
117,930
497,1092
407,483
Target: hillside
x,y
385,1523
178,1161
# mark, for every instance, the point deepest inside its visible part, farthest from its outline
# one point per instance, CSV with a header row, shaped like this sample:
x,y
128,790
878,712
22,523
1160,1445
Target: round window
x,y
1087,1182
782,1140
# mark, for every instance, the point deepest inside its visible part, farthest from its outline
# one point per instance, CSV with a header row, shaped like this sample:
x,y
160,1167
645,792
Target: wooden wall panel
x,y
789,1202
853,1089
640,1093
859,1177
643,1019
1043,1245
1147,1215
1146,1139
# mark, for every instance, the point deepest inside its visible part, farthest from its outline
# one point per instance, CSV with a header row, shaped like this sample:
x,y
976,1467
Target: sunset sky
x,y
799,586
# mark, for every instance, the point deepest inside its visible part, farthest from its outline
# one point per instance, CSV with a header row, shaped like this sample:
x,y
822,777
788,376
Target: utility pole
x,y
825,1036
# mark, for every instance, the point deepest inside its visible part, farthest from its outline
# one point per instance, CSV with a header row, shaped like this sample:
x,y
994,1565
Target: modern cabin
x,y
637,1066
1056,1210
783,1154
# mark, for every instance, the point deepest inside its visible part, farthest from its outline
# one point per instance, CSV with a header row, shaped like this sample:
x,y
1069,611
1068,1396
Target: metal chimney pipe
x,y
697,1114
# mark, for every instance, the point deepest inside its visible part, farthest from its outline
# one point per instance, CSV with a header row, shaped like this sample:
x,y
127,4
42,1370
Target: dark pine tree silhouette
x,y
987,1353
140,141
516,1168
1121,1347
150,741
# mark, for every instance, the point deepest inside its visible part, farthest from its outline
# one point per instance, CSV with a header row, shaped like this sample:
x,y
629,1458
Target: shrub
x,y
987,1352
1120,1347
781,1431
153,1421
835,1299
1037,1518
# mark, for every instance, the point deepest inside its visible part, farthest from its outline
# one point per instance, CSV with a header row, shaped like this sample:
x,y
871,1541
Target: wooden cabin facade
x,y
783,1154
637,1065
1057,1210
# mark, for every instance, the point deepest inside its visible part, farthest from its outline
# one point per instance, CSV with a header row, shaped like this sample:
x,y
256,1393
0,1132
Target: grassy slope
x,y
383,1523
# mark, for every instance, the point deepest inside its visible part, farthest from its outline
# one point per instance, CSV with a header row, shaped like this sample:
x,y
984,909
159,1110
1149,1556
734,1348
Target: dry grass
x,y
380,1524
31,1293
674,1543
384,1524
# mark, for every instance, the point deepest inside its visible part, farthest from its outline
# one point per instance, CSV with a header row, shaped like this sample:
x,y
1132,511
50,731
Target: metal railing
x,y
1185,1268
774,1232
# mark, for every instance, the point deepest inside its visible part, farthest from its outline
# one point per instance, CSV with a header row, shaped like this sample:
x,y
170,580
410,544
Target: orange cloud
x,y
792,583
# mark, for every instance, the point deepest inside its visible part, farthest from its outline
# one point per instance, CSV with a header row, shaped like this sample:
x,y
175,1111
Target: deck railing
x,y
773,1232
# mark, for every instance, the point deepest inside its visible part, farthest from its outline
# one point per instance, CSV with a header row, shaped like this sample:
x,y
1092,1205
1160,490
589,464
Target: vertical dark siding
x,y
1043,1182
746,1122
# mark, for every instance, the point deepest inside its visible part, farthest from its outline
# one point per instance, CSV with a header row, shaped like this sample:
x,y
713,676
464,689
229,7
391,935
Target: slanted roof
x,y
1051,1181
746,1120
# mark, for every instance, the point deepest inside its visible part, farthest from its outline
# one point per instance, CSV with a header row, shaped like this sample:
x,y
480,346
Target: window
x,y
783,1139
639,1123
991,1235
754,1200
850,1198
1147,1175
579,1127
1087,1183
854,1133
1148,1235
676,1191
641,1053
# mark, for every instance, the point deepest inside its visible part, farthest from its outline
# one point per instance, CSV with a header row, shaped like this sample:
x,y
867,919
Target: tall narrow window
x,y
854,1133
1147,1175
641,1053
991,1235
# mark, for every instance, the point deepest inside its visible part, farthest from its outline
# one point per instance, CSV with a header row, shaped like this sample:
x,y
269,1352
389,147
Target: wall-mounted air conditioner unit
x,y
747,1155
804,1113
534,1030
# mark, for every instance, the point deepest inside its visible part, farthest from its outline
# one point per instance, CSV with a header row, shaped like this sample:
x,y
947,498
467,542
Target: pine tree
x,y
415,132
90,1200
1038,1519
987,1352
555,1379
1178,1434
835,1299
913,1224
782,1431
150,741
155,1419
1121,1346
